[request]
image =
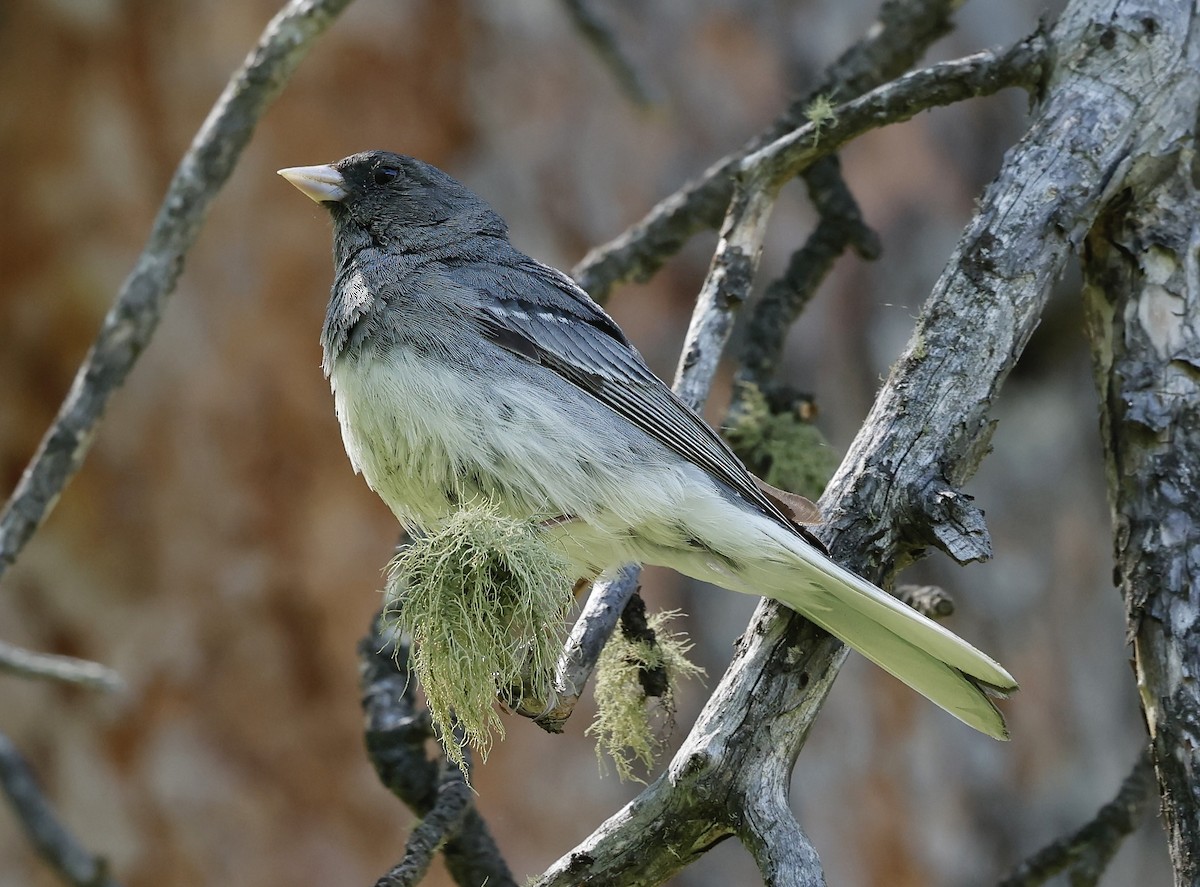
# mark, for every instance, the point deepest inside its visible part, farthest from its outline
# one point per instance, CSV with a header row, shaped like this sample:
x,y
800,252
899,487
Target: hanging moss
x,y
628,728
485,601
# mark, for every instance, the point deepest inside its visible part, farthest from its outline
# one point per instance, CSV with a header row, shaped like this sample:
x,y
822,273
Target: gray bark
x,y
1142,286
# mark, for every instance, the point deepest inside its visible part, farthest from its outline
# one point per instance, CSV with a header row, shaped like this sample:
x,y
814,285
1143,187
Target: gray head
x,y
394,202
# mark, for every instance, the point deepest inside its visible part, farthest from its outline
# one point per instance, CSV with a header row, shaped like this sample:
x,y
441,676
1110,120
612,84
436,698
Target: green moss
x,y
820,112
485,601
627,728
779,446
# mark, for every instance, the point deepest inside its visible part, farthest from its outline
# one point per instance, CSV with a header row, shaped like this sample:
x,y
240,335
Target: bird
x,y
464,370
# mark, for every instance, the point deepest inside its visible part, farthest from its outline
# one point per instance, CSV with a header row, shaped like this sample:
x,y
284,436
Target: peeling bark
x,y
1142,287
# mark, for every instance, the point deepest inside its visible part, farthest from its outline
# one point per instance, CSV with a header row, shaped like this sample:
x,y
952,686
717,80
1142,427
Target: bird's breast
x,y
411,426
430,437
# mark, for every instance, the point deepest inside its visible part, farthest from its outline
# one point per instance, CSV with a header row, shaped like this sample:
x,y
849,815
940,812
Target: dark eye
x,y
385,175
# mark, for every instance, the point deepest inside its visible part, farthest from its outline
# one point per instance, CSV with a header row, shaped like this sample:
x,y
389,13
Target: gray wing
x,y
540,314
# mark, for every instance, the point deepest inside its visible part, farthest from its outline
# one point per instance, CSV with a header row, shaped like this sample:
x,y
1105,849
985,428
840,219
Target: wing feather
x,y
539,314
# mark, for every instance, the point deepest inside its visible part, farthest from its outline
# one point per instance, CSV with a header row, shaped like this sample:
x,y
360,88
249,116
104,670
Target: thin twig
x,y
604,43
582,649
904,30
452,803
1085,854
135,314
983,73
841,225
398,731
54,843
67,669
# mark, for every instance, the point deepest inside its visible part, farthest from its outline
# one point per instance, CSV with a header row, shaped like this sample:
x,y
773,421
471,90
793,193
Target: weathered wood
x,y
1142,286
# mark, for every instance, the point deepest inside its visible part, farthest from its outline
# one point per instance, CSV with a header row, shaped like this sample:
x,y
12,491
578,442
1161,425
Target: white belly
x,y
429,440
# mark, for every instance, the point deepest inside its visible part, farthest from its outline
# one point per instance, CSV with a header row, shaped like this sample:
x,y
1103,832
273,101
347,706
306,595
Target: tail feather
x,y
902,620
927,657
958,693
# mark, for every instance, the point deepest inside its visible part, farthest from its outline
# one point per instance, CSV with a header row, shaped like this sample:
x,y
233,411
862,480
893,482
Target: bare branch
x,y
976,75
397,735
581,652
67,669
841,225
1142,294
604,43
54,843
135,314
783,852
1086,853
725,289
452,803
903,32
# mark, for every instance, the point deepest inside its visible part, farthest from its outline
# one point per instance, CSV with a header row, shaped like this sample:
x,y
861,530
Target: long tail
x,y
933,661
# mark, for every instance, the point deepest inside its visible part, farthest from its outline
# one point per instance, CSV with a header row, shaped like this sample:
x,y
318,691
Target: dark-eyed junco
x,y
463,371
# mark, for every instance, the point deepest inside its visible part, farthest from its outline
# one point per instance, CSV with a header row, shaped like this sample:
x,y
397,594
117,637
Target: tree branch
x,y
600,37
595,625
452,802
1086,853
1142,293
54,843
904,30
67,669
397,733
135,314
945,83
840,226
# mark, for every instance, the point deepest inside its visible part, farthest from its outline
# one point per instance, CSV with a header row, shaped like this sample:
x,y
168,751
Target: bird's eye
x,y
385,175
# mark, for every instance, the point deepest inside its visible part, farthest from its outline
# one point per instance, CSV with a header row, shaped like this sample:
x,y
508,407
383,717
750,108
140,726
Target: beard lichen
x,y
485,601
628,728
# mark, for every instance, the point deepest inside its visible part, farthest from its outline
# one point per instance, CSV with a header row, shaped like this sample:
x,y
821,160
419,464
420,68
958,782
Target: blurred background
x,y
217,550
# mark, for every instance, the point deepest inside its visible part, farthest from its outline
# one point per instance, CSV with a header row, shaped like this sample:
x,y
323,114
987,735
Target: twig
x,y
928,600
604,43
841,225
397,733
453,801
54,843
582,649
67,669
135,314
945,83
1085,854
903,32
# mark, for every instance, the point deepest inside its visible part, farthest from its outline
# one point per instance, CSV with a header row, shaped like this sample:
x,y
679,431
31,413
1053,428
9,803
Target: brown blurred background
x,y
217,550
